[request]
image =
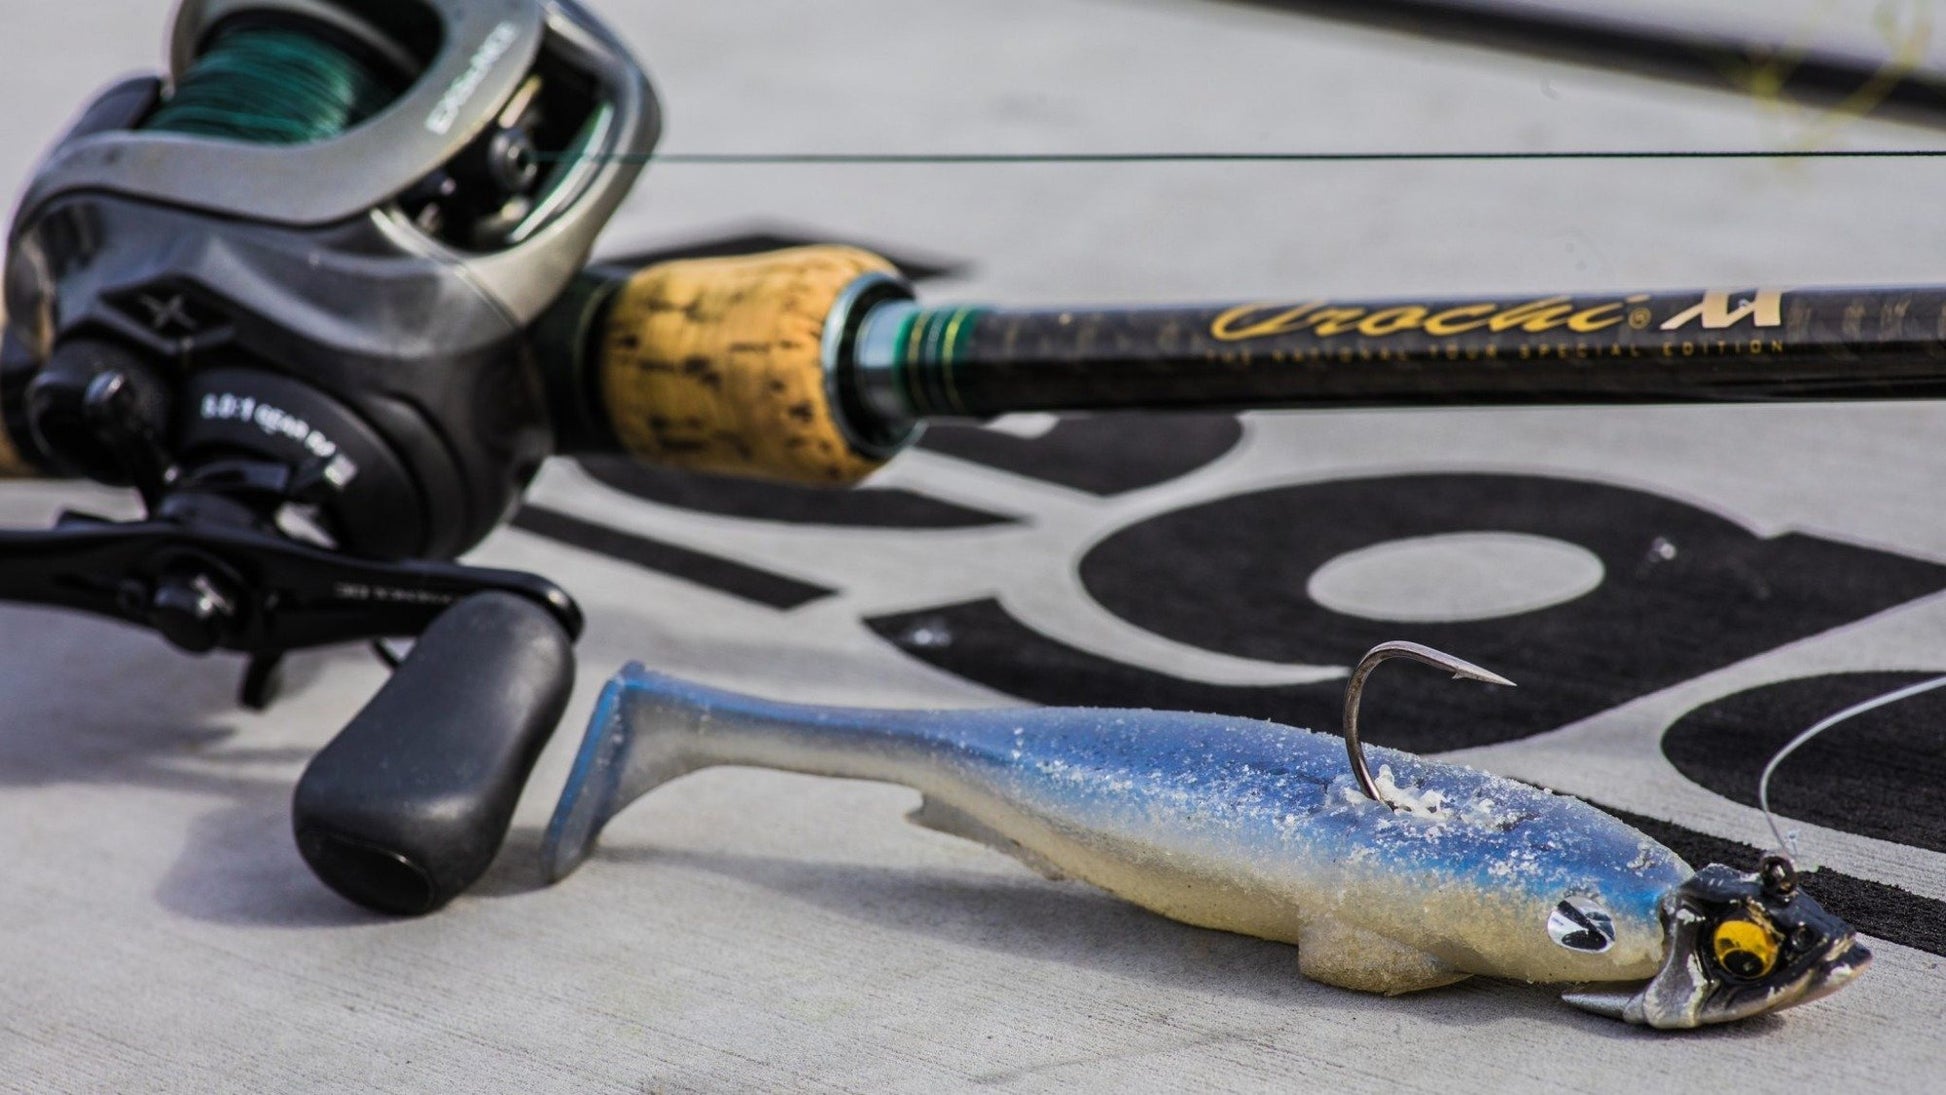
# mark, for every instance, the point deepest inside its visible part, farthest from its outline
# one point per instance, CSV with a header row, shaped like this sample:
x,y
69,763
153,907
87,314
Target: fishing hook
x,y
1355,691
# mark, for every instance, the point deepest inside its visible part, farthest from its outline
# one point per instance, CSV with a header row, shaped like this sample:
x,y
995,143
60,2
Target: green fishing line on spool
x,y
268,85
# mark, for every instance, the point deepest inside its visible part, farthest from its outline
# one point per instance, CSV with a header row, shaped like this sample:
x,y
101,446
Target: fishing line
x,y
273,85
842,159
1789,844
293,84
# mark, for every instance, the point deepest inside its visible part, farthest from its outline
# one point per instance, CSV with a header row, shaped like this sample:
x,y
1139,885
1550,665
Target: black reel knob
x,y
100,410
192,611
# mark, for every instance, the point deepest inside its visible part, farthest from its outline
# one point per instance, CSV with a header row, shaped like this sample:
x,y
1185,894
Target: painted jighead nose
x,y
1738,945
1836,973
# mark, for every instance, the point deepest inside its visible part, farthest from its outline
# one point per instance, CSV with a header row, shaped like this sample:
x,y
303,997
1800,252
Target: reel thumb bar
x,y
408,805
771,366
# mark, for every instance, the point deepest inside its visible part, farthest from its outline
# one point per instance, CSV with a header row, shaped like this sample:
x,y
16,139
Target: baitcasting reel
x,y
319,297
287,294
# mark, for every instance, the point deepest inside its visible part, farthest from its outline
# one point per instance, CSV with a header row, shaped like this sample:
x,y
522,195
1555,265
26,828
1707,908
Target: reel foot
x,y
263,679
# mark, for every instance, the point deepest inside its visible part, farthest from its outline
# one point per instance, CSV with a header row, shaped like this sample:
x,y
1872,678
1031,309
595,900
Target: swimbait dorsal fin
x,y
942,817
1332,952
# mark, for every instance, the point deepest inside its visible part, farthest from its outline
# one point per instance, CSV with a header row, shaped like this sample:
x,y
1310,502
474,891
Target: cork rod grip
x,y
717,365
13,464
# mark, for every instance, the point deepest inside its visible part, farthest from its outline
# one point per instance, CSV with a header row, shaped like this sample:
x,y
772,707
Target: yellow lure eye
x,y
1746,948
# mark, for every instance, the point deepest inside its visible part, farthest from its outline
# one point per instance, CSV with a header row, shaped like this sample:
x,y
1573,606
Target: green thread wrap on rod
x,y
930,344
264,85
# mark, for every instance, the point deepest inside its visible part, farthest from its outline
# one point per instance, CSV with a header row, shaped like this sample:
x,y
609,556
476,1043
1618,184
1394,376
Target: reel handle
x,y
409,804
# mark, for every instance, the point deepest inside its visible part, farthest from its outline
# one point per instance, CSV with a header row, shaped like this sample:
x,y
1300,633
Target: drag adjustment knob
x,y
191,612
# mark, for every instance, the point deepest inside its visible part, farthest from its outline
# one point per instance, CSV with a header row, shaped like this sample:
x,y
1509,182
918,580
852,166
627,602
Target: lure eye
x,y
1581,926
1746,949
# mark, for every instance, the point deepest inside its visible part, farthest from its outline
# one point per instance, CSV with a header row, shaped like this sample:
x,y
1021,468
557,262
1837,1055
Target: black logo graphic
x,y
860,507
1105,455
1069,455
1685,592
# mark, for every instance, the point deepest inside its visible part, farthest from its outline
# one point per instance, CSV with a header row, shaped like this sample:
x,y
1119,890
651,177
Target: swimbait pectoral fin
x,y
1349,957
943,817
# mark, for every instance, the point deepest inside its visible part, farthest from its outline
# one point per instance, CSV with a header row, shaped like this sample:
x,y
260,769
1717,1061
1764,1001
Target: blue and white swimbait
x,y
1257,828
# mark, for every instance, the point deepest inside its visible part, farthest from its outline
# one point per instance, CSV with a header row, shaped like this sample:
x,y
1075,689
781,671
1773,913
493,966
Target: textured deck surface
x,y
750,931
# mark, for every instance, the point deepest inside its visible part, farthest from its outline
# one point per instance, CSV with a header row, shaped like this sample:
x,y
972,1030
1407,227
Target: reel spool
x,y
266,80
286,293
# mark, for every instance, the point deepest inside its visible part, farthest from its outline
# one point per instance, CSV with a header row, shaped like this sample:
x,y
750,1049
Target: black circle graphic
x,y
1231,575
1685,591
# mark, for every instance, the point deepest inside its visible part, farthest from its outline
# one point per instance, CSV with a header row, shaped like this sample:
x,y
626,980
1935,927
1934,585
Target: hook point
x,y
1484,676
1355,691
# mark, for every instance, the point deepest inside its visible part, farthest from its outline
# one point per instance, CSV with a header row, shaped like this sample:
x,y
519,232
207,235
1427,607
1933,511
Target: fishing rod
x,y
816,364
320,296
1776,68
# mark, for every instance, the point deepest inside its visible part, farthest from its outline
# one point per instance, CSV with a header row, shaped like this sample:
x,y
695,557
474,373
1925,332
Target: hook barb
x,y
1461,670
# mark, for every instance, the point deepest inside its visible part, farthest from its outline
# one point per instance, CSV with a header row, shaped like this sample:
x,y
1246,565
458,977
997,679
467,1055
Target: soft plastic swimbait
x,y
1258,828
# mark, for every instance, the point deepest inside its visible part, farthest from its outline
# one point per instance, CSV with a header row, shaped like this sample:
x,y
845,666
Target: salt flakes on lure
x,y
1419,877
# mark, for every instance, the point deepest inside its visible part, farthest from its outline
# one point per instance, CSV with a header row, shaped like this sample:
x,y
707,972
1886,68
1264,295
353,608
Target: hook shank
x,y
1355,692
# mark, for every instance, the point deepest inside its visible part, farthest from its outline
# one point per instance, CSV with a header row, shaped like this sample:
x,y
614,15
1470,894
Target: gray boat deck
x,y
752,931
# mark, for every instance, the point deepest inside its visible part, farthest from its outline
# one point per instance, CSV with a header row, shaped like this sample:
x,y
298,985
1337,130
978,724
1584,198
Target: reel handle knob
x,y
98,408
408,806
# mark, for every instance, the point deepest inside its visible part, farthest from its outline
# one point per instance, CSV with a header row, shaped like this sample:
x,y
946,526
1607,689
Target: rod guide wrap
x,y
717,365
